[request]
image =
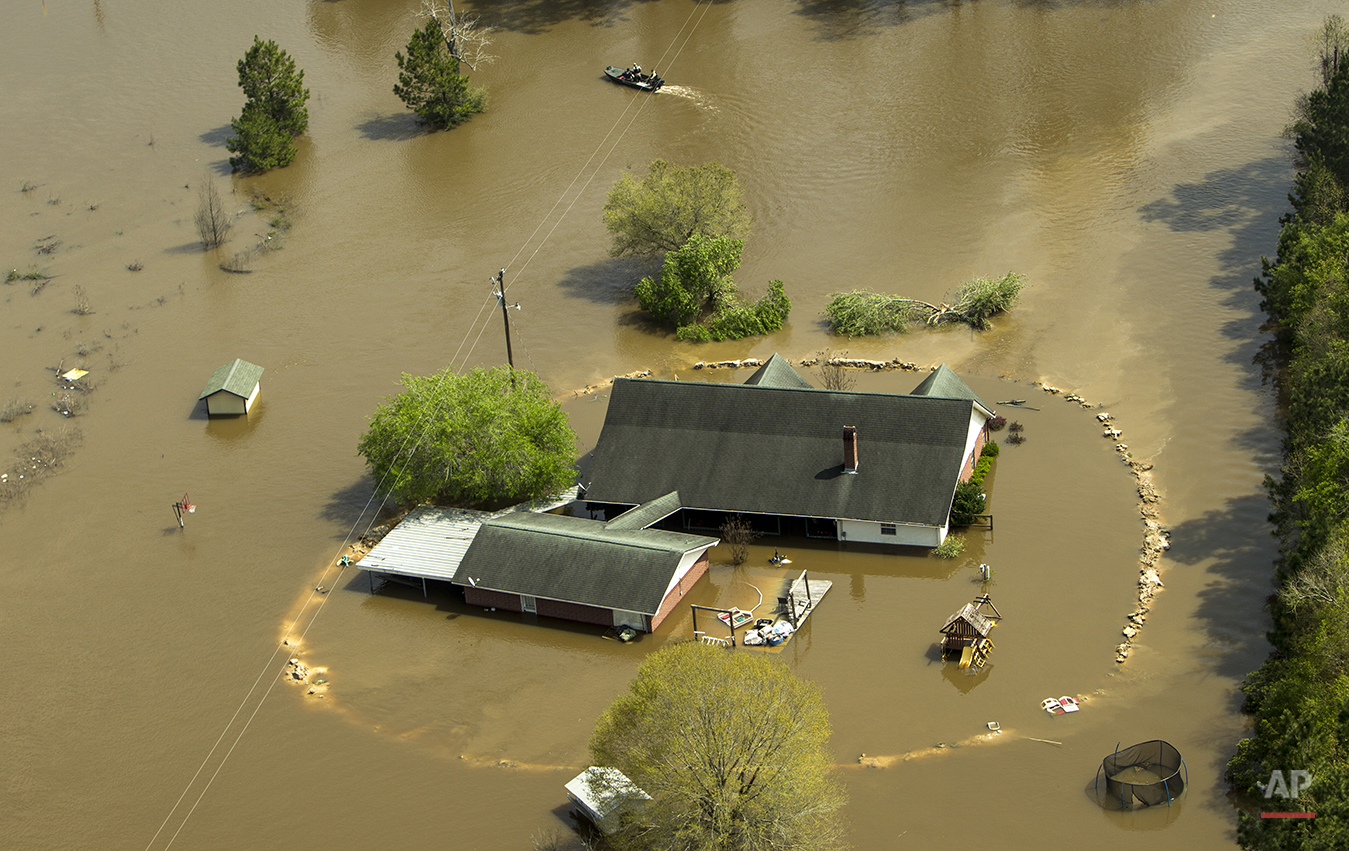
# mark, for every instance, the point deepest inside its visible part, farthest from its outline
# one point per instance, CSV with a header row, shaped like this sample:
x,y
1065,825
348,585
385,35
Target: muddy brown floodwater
x,y
1124,155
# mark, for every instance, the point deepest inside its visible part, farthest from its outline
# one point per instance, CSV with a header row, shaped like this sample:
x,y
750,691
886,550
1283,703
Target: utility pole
x,y
500,281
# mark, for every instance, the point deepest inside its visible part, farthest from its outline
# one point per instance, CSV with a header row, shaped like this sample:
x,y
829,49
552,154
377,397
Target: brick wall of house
x,y
575,612
984,437
681,588
488,599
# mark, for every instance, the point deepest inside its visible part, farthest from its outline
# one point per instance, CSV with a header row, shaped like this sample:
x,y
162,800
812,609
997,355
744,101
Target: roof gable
x,y
576,560
943,383
769,450
973,614
970,614
238,377
777,372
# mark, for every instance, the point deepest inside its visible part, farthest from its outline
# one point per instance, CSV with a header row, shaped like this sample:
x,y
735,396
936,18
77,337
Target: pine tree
x,y
274,113
430,84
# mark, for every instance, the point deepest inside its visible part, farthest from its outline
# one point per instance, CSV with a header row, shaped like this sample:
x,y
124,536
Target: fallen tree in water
x,y
862,313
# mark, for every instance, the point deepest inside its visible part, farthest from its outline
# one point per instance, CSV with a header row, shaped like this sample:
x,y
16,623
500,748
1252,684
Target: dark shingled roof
x,y
576,560
943,383
768,450
778,373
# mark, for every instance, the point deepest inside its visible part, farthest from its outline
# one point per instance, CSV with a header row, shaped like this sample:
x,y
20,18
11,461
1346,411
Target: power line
x,y
420,430
637,98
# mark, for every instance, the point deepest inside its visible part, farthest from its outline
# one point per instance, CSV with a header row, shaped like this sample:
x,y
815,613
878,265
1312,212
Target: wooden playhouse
x,y
965,633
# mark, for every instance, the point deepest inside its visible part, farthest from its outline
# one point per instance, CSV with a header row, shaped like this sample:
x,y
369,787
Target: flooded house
x,y
232,388
608,574
611,573
792,458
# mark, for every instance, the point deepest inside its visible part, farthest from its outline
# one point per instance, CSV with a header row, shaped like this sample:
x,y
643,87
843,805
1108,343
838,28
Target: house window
x,y
821,527
528,603
887,528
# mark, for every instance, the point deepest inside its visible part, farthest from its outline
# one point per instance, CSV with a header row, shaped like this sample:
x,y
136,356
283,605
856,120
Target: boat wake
x,y
697,98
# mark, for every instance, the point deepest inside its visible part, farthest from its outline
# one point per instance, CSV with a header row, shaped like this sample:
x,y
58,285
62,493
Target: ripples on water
x,y
901,152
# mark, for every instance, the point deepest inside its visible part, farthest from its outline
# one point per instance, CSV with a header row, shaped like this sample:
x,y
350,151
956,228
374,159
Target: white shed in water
x,y
232,388
603,795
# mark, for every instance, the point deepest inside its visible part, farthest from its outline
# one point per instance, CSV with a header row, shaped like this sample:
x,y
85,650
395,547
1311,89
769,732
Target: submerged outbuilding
x,y
604,795
232,389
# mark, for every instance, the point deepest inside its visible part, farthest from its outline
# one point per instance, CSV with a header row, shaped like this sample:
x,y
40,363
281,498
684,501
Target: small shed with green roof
x,y
232,389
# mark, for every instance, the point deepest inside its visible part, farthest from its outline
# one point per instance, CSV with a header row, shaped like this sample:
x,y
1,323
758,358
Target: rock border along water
x,y
1156,538
755,363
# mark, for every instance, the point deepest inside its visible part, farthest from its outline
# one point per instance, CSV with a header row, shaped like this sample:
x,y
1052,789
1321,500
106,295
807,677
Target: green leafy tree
x,y
430,84
488,437
274,112
732,750
692,278
1317,195
734,319
671,205
1320,131
695,282
1332,43
1323,484
1300,696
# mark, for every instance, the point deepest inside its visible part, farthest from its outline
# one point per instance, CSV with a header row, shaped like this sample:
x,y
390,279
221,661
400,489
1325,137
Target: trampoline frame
x,y
1163,782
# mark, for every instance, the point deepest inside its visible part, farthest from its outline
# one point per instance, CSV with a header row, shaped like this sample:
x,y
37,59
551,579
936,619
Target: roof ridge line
x,y
604,538
791,389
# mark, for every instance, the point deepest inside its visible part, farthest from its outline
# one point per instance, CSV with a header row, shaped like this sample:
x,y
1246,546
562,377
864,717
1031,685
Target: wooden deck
x,y
799,599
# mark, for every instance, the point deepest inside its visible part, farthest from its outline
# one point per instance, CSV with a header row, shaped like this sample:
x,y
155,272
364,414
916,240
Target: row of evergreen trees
x,y
1300,695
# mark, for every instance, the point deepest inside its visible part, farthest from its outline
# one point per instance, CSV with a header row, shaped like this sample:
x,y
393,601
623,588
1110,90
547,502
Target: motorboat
x,y
635,77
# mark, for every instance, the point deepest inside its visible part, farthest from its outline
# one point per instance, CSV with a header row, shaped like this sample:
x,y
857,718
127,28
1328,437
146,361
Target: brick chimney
x,y
850,449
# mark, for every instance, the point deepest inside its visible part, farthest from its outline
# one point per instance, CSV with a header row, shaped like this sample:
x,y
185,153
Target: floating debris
x,y
1059,705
